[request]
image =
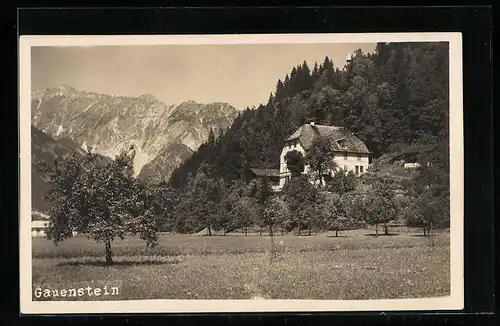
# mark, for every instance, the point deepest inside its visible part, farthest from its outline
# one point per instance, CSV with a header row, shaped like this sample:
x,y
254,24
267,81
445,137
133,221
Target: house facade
x,y
38,228
39,222
351,154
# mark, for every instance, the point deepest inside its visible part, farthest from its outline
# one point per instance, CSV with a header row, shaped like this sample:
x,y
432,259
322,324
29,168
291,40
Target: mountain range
x,y
163,135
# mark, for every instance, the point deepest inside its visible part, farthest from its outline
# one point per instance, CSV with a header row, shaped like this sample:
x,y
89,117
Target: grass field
x,y
352,266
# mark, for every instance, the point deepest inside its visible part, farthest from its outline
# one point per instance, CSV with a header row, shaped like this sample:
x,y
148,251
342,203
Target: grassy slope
x,y
239,267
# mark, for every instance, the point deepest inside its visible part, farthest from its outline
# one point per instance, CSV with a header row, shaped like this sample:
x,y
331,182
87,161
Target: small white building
x,y
39,223
411,165
351,153
38,227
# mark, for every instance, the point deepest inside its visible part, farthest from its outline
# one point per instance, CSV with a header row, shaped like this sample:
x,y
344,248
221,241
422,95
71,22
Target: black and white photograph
x,y
219,173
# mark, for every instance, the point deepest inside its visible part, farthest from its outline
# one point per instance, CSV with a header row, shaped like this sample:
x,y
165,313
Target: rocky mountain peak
x,y
109,124
149,98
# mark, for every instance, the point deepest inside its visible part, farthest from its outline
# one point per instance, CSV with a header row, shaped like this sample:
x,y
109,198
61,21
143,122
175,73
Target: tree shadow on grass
x,y
423,236
122,263
338,236
380,234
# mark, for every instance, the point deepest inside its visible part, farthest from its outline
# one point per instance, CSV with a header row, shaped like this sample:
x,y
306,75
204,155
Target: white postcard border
x,y
453,302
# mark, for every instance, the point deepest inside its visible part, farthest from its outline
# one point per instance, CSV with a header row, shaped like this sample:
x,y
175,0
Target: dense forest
x,y
396,96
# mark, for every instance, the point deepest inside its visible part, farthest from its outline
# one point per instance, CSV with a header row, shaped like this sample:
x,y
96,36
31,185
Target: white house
x,y
38,224
351,153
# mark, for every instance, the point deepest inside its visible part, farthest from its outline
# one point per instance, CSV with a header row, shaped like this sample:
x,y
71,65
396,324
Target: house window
x,y
345,155
361,169
356,170
342,143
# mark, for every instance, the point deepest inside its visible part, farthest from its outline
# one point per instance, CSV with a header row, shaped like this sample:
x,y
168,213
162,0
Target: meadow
x,y
354,265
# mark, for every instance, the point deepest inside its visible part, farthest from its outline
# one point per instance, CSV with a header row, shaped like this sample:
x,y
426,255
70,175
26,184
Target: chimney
x,y
311,123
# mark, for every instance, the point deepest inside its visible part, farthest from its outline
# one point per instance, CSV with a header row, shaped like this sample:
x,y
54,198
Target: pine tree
x,y
211,137
315,72
328,70
279,95
220,135
305,82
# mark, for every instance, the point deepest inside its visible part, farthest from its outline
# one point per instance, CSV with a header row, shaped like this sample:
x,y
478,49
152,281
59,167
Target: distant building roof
x,y
407,150
416,149
266,172
308,132
37,216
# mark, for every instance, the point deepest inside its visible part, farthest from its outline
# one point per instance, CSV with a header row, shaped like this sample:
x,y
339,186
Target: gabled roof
x,y
307,133
266,172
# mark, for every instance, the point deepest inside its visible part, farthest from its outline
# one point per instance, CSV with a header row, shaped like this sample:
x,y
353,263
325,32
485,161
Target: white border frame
x,y
453,302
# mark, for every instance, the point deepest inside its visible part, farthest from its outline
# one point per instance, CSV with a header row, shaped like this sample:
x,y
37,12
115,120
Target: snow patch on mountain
x,y
60,129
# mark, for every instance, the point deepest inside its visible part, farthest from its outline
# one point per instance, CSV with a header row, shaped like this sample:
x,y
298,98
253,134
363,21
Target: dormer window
x,y
342,143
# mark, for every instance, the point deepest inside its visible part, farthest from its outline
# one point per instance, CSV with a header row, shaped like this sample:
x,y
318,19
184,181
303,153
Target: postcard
x,y
241,173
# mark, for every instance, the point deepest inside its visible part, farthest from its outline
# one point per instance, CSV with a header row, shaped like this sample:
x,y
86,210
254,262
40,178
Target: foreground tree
x,y
426,212
320,157
164,200
262,194
428,193
276,212
301,197
342,182
246,213
355,205
332,212
381,206
100,200
229,215
206,198
295,162
372,204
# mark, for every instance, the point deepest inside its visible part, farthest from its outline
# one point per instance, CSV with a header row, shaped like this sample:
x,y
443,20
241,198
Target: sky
x,y
242,75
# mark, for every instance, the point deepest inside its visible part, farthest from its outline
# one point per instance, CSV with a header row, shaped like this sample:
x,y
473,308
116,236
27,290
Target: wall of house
x,y
284,172
296,147
352,160
38,228
348,163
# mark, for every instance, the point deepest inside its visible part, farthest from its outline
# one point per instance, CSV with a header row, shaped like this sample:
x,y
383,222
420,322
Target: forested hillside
x,y
394,97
